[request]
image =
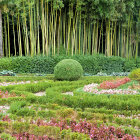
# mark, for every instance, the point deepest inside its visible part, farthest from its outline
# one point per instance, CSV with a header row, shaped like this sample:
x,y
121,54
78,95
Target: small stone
x,y
40,94
68,93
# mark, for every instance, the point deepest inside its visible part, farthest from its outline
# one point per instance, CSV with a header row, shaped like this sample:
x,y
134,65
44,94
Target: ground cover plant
x,y
58,114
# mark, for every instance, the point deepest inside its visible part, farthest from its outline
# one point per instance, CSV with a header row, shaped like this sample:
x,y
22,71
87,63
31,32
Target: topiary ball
x,y
68,69
135,74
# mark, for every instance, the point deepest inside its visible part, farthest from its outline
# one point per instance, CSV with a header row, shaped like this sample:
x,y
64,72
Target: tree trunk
x,y
1,49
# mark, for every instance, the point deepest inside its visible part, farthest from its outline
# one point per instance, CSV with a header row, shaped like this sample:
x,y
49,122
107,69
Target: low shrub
x,y
66,113
26,112
68,69
135,74
19,108
16,106
46,114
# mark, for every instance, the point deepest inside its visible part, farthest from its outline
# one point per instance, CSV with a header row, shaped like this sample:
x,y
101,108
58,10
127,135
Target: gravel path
x,y
16,83
4,109
68,93
40,93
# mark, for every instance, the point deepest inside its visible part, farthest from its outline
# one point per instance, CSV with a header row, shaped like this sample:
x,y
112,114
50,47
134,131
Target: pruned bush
x,y
68,69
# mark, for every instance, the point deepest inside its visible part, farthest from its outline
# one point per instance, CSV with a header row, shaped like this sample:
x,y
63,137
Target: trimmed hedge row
x,y
91,64
79,100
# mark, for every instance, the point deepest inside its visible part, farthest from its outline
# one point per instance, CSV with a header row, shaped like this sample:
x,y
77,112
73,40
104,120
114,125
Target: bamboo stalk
x,y
111,40
9,50
38,36
80,34
1,37
34,29
96,40
108,38
69,30
47,15
84,44
127,44
14,35
42,27
19,36
5,33
100,38
137,40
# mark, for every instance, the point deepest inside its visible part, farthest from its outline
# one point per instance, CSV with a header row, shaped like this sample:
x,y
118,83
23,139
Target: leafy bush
x,y
111,64
135,74
129,65
68,69
6,64
138,62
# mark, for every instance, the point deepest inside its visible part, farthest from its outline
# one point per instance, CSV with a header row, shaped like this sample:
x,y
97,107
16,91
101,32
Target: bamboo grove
x,y
71,27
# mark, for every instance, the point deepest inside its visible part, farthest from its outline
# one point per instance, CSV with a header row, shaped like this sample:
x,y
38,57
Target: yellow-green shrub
x,y
135,74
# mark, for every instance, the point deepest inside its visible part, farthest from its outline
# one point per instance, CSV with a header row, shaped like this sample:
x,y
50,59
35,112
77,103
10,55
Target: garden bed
x,y
65,111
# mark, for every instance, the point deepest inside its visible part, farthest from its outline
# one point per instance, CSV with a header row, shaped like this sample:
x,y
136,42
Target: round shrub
x,y
135,74
68,69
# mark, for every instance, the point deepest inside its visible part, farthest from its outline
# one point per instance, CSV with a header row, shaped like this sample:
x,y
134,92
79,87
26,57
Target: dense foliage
x,y
68,69
91,64
68,27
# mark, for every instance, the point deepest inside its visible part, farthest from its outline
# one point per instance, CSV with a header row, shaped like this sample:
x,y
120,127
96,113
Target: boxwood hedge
x,y
91,64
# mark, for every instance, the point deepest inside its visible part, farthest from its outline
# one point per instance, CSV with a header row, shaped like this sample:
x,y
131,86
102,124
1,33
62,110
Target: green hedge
x,y
91,64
